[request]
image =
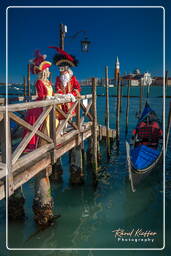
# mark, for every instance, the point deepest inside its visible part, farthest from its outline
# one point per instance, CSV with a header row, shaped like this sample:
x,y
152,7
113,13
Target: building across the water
x,y
158,80
136,77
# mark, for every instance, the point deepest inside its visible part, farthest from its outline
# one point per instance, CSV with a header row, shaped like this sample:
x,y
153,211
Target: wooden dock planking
x,y
32,163
103,132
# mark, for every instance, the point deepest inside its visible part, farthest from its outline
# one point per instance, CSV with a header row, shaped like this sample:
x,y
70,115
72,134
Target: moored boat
x,y
145,150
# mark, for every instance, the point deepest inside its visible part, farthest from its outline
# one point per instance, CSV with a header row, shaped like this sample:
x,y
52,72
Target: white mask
x,y
65,78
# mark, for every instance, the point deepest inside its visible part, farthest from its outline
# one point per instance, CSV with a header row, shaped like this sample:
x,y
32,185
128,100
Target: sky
x,y
135,35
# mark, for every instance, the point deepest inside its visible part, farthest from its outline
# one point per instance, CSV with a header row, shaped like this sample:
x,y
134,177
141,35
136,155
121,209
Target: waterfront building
x,y
136,77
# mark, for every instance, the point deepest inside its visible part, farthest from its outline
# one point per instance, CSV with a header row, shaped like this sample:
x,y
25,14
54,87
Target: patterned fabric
x,y
72,87
43,90
145,132
149,133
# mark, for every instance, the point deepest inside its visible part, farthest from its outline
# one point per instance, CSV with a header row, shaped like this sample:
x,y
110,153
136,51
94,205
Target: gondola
x,y
145,149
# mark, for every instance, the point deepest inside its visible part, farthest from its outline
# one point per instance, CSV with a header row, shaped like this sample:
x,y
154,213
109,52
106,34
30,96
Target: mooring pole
x,y
95,147
43,202
118,111
141,95
76,156
16,205
28,80
24,84
107,112
121,88
127,107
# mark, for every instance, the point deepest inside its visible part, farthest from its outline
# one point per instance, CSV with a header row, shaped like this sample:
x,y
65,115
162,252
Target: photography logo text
x,y
134,235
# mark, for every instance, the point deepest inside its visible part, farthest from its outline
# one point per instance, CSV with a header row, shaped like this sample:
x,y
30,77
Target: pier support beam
x,y
16,205
57,171
76,166
43,202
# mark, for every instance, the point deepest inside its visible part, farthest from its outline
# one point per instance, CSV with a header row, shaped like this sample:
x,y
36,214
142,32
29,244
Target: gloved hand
x,y
73,99
50,97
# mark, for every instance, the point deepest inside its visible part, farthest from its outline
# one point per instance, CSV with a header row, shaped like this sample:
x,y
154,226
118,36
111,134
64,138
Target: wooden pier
x,y
21,167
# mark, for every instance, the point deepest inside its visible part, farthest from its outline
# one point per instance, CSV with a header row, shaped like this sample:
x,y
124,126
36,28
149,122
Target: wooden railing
x,y
13,158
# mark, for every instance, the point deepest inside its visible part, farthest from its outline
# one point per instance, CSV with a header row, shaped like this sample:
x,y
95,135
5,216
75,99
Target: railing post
x,y
9,156
53,131
78,114
76,158
95,148
57,170
5,137
107,113
15,198
24,84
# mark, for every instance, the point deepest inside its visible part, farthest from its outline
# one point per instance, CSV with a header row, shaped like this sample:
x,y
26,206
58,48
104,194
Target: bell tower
x,y
117,70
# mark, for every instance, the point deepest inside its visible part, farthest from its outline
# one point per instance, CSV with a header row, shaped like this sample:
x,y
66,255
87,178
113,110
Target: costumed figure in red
x,y
66,82
39,67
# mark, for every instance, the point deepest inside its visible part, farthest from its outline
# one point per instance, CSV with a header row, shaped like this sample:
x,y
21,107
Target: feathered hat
x,y
39,63
62,58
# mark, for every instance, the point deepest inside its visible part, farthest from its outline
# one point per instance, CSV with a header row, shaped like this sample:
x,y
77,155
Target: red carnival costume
x,y
66,83
44,89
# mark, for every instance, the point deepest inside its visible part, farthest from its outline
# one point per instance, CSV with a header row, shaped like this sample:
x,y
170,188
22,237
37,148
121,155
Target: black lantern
x,y
85,45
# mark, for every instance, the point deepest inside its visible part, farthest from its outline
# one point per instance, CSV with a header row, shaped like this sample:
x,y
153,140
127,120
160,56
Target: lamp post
x,y
63,30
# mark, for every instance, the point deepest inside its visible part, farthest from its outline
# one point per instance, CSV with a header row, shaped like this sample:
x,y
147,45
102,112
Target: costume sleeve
x,y
41,90
57,86
76,87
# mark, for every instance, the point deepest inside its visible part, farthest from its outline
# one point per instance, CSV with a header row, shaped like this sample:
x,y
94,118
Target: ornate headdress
x,y
62,58
39,63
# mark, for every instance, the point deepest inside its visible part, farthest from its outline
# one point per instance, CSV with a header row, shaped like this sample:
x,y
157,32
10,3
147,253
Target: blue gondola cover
x,y
143,156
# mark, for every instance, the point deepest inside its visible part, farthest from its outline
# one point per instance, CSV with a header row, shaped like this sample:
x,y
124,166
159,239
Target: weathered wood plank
x,y
26,139
42,103
103,132
2,190
1,117
22,176
2,101
3,139
86,112
53,130
28,159
2,170
22,122
67,117
75,141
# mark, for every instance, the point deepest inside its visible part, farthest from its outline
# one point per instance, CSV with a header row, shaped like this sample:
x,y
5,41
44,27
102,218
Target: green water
x,y
88,214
